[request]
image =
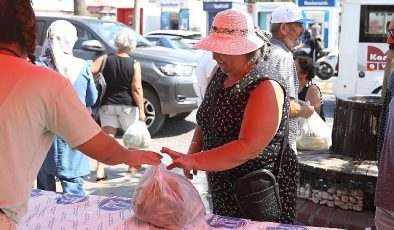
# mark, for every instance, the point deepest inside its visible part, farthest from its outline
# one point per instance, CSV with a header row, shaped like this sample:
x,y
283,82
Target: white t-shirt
x,y
204,68
35,103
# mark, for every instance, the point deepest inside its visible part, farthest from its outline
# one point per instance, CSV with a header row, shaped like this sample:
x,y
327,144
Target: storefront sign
x,y
317,2
173,4
216,6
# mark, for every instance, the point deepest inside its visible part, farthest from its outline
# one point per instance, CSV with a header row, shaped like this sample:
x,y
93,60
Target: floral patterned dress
x,y
220,117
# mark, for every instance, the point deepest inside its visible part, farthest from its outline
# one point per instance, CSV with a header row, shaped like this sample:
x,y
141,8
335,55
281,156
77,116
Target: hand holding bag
x,y
167,199
314,133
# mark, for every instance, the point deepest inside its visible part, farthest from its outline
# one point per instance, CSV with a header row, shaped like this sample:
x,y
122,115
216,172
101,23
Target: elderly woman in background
x,y
241,122
123,101
66,163
307,88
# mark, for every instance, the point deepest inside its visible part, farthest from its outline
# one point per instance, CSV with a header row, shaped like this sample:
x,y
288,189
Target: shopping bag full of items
x,y
314,134
137,136
167,199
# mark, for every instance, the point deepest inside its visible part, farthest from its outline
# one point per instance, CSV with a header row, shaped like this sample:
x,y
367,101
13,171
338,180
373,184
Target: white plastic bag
x,y
167,199
137,136
314,134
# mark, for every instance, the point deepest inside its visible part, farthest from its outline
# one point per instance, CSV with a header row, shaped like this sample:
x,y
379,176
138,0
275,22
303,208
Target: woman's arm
x,y
104,148
196,143
97,64
313,96
260,123
136,90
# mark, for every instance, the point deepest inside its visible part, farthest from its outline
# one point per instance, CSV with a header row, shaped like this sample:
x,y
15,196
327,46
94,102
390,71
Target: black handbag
x,y
101,87
257,193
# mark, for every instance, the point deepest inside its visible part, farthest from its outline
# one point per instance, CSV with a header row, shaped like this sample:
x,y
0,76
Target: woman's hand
x,y
139,157
180,160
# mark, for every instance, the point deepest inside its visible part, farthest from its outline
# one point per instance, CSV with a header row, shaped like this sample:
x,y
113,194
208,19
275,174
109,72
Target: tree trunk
x,y
79,7
136,16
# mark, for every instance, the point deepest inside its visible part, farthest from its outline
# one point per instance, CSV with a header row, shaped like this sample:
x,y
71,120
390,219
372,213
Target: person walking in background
x,y
66,163
205,69
123,101
307,89
35,104
287,29
242,120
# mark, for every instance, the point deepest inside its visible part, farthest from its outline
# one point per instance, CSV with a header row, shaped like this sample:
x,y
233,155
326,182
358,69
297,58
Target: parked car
x,y
167,75
188,36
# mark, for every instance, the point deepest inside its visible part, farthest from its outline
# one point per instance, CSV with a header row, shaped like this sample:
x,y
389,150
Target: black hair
x,y
307,66
17,24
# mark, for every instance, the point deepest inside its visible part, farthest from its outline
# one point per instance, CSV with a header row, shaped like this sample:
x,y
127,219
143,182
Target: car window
x,y
154,41
40,29
108,31
83,35
179,43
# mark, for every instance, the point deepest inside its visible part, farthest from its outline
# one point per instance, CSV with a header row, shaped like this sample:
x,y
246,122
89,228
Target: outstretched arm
x,y
104,148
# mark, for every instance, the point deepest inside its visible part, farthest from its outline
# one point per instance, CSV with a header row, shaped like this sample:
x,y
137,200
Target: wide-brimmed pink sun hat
x,y
232,33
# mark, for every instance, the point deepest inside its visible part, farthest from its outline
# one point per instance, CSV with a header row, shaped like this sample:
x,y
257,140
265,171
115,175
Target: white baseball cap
x,y
288,12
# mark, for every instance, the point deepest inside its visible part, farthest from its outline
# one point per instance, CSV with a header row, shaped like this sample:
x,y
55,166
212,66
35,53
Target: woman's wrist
x,y
193,148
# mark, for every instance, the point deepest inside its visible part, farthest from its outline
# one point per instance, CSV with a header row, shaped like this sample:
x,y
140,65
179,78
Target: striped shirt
x,y
282,59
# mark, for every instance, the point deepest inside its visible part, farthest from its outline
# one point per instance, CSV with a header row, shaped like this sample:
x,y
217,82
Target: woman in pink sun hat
x,y
241,122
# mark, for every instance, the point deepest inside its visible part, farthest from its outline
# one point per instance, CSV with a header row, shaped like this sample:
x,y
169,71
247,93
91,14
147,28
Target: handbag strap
x,y
284,145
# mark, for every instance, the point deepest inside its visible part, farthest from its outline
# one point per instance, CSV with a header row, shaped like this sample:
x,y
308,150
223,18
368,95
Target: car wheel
x,y
154,118
181,116
324,70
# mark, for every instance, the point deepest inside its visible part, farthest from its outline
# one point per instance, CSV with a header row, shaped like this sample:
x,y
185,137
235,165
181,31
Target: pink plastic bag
x,y
167,199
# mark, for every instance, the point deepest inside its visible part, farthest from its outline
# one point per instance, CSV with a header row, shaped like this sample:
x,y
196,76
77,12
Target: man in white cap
x,y
287,29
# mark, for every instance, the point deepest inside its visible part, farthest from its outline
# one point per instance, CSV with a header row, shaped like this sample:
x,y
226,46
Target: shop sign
x,y
317,2
216,6
173,4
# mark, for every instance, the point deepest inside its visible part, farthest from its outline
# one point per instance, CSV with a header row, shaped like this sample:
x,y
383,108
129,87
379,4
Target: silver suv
x,y
168,75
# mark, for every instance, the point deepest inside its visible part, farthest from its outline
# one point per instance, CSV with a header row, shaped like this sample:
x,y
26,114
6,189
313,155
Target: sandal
x,y
98,179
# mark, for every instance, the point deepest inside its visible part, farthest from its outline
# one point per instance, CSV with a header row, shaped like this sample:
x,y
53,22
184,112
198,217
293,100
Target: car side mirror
x,y
92,45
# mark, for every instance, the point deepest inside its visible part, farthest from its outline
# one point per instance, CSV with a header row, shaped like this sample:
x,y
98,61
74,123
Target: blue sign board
x,y
217,6
317,2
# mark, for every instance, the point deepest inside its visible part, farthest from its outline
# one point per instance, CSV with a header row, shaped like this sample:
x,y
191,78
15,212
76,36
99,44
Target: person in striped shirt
x,y
287,29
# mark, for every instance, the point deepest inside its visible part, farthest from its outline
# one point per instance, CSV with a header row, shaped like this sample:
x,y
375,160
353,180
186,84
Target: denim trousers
x,y
46,181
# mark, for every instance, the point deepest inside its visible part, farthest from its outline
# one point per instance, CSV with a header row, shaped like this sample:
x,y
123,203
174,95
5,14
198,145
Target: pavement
x,y
176,135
